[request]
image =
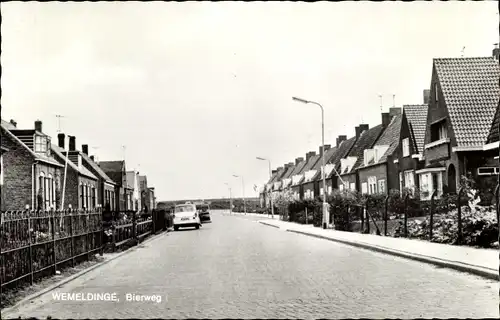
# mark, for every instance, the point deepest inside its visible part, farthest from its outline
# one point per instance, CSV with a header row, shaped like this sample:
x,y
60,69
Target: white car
x,y
186,215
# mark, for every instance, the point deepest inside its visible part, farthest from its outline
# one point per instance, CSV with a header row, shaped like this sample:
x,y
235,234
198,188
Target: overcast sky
x,y
195,91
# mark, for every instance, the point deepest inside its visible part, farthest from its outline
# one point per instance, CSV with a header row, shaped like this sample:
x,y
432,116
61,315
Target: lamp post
x,y
270,176
325,209
243,185
230,199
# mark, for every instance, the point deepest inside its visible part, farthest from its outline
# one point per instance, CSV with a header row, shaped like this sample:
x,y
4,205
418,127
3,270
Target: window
x,y
406,147
381,186
94,199
341,187
439,131
409,181
329,189
82,195
40,143
353,186
364,187
369,155
372,185
487,171
312,194
429,182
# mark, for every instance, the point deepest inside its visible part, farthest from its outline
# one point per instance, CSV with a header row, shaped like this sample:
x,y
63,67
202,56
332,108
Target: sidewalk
x,y
482,262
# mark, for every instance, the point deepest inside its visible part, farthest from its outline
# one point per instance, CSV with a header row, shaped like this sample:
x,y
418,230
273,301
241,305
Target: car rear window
x,y
202,207
185,208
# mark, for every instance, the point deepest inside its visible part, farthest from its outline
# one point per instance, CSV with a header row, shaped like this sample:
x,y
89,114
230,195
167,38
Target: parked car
x,y
204,212
186,215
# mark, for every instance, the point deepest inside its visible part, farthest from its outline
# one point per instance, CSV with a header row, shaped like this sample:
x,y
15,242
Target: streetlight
x,y
325,209
270,176
243,185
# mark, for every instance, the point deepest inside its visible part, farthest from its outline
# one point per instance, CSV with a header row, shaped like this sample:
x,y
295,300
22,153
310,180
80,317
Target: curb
x,y
270,225
458,266
35,295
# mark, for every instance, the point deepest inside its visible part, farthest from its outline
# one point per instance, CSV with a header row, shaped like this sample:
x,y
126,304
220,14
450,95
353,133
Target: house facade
x,y
133,185
296,178
308,173
80,189
32,177
116,170
464,97
2,198
311,185
333,169
365,139
105,187
378,173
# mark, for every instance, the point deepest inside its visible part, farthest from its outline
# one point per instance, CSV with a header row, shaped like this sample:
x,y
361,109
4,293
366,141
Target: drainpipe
x,y
33,185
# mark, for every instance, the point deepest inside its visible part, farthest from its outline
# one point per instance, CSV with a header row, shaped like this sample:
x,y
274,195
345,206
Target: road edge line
x,y
425,259
35,295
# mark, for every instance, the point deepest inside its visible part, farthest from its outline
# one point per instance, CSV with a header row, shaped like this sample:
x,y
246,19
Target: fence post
x,y
30,246
153,217
385,214
497,206
459,217
113,235
362,215
72,234
406,215
52,218
306,216
88,235
134,227
101,251
367,218
431,220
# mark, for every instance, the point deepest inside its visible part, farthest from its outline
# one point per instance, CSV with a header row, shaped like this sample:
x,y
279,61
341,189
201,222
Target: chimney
x,y
13,122
298,160
327,146
72,143
363,127
358,132
92,158
274,171
280,168
340,139
394,112
38,126
496,53
60,138
310,154
386,119
427,96
85,149
290,164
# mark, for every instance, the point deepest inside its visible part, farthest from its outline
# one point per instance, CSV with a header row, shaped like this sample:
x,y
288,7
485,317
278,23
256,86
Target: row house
x,y
307,173
286,180
378,173
464,97
295,177
81,184
365,139
310,185
116,171
147,195
106,187
31,175
276,182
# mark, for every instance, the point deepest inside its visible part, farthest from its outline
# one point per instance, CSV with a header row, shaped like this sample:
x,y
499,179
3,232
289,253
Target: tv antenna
x,y
58,116
393,100
463,50
380,96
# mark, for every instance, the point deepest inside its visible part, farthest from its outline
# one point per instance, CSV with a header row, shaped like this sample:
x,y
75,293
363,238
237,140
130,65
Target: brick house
x,y
333,168
81,184
267,190
116,170
378,173
410,158
365,139
146,194
286,180
3,150
152,198
308,172
310,184
31,175
464,97
296,178
276,183
105,186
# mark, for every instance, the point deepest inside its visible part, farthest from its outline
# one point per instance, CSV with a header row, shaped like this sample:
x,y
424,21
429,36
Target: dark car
x,y
204,212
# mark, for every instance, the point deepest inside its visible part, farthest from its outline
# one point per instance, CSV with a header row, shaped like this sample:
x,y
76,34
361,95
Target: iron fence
x,y
35,244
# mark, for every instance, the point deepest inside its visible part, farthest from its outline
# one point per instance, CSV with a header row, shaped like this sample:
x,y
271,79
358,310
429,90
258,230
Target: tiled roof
x,y
390,137
471,91
365,141
288,172
82,170
272,178
38,156
279,174
417,119
7,125
112,166
311,163
328,156
341,152
298,168
96,167
494,136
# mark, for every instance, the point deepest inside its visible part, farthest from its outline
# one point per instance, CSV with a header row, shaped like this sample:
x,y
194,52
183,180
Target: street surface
x,y
238,268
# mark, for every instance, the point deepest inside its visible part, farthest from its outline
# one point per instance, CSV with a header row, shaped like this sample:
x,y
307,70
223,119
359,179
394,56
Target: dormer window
x,y
439,131
41,144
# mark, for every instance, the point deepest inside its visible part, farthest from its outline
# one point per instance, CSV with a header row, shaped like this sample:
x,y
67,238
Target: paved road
x,y
237,268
